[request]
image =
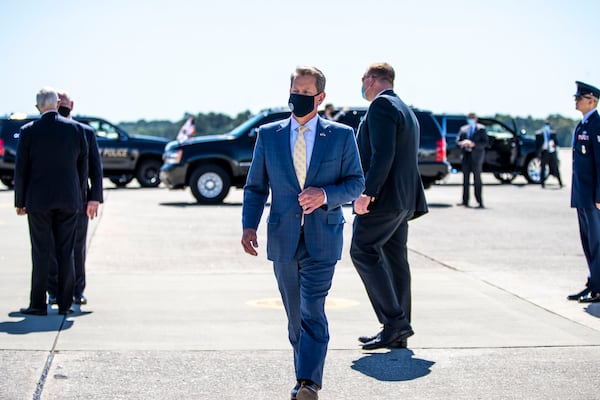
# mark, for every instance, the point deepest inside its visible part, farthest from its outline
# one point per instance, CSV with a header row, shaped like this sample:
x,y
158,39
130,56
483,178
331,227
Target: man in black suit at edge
x,y
388,140
51,170
90,210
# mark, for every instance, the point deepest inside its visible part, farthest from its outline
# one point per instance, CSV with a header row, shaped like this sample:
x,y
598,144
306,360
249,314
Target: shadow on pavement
x,y
593,309
46,323
393,366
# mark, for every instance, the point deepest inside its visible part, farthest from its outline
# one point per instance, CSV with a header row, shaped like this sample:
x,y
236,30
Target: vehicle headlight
x,y
172,157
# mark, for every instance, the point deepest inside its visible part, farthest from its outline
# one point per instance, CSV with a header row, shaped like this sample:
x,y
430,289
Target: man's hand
x,y
21,211
310,199
92,209
598,206
249,241
467,143
361,205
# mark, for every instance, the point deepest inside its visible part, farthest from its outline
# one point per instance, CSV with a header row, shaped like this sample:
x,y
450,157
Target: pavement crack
x,y
42,381
502,289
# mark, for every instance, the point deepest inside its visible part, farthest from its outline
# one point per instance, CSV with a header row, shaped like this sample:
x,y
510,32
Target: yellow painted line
x,y
276,303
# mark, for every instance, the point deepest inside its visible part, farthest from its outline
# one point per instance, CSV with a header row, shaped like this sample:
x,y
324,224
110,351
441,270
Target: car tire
x,y
505,177
210,184
121,181
8,182
532,169
147,173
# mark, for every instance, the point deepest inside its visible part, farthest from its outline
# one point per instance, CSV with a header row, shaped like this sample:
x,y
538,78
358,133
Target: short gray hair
x,y
46,97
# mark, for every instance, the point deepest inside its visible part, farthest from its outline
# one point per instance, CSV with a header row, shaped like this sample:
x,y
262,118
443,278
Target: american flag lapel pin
x,y
322,134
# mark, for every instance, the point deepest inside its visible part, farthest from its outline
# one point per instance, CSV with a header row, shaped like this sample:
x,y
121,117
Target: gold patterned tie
x,y
300,156
300,159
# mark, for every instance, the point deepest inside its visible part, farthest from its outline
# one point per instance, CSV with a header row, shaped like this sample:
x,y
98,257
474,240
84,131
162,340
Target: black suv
x,y
124,156
509,152
210,165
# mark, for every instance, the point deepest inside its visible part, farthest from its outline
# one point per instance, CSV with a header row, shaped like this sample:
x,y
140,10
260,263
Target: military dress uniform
x,y
585,192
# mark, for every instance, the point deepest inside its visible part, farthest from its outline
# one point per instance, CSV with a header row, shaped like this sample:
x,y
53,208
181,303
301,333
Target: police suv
x,y
124,156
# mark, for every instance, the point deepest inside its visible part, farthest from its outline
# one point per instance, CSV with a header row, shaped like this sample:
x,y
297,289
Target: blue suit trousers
x,y
304,283
589,230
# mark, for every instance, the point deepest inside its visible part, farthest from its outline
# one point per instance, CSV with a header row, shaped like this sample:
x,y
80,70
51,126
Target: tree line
x,y
217,123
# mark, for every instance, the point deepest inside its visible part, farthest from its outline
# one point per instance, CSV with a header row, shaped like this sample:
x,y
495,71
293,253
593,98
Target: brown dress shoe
x,y
308,391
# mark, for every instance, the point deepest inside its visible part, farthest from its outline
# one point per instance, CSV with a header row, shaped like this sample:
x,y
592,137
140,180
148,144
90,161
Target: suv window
x,y
104,129
498,131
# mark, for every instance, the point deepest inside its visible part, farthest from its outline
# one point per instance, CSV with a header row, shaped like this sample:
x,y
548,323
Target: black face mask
x,y
64,111
301,104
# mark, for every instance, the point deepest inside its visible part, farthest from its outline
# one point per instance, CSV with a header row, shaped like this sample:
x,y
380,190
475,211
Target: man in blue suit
x,y
585,187
311,167
50,182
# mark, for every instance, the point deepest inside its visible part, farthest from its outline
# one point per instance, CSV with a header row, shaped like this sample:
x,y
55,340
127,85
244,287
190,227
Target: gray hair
x,y
46,98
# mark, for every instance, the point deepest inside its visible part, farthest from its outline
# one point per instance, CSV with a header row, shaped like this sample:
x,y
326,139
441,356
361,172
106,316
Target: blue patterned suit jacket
x,y
334,166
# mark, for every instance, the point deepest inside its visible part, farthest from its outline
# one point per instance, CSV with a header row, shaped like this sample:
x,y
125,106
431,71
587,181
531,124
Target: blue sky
x,y
126,60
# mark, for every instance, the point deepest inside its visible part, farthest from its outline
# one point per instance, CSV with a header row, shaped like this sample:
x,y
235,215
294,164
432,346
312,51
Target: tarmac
x,y
177,310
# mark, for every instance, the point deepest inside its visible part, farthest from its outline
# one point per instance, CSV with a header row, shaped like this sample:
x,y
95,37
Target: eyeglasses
x,y
365,77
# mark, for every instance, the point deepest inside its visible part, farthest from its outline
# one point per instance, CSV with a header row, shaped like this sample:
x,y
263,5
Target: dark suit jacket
x,y
94,184
585,187
480,138
52,165
539,141
334,166
388,141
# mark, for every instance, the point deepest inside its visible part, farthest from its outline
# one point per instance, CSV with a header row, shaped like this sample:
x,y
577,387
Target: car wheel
x,y
122,181
8,182
147,173
532,170
505,177
210,184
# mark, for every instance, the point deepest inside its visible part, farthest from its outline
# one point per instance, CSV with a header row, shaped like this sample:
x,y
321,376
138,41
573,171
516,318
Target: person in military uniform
x,y
585,188
547,149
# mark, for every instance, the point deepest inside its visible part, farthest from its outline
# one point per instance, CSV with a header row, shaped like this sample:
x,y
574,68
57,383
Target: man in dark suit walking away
x,y
311,167
585,186
50,177
89,211
472,139
547,149
388,140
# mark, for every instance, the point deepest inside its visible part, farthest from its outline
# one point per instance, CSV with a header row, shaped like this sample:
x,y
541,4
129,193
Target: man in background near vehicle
x,y
585,186
311,168
328,113
547,150
472,139
188,129
50,181
90,210
388,142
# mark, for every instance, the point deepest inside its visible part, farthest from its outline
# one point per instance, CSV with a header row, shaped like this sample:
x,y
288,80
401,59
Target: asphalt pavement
x,y
178,311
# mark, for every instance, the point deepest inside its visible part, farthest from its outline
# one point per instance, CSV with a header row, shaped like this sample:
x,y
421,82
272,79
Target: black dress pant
x,y
551,160
52,233
379,254
472,163
79,257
